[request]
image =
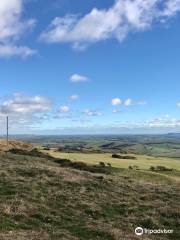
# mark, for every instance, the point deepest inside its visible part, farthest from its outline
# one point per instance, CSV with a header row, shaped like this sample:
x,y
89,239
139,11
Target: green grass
x,y
143,161
41,200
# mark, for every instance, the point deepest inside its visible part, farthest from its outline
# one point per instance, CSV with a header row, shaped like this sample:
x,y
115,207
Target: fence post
x,y
7,136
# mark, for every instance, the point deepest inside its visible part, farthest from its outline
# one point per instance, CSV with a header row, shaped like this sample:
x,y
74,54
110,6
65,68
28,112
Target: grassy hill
x,y
13,144
42,197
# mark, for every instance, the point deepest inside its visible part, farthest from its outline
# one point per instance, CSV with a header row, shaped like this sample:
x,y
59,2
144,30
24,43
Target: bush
x,y
135,167
102,164
115,155
83,166
152,168
32,153
46,148
160,168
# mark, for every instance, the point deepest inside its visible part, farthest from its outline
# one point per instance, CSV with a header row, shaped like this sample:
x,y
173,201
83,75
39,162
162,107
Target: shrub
x,y
152,168
108,164
83,166
160,168
115,155
32,153
102,164
135,167
163,168
46,148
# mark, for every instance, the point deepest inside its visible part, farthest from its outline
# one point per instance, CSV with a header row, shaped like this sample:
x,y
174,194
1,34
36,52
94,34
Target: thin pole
x,y
7,130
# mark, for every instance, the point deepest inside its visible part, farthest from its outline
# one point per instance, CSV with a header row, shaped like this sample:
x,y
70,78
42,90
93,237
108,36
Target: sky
x,y
90,67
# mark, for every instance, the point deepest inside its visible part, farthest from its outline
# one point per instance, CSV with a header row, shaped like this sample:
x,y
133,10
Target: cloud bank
x,y
21,104
124,17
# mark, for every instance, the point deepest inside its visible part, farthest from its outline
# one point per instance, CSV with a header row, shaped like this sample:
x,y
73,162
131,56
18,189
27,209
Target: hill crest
x,y
13,144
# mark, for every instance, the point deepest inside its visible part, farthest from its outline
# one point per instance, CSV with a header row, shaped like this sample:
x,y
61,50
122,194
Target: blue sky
x,y
71,67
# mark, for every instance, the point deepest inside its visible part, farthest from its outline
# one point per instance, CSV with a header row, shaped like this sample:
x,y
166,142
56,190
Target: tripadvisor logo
x,y
140,231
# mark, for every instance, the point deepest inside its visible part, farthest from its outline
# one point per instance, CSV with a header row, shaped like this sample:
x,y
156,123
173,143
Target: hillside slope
x,y
40,199
13,144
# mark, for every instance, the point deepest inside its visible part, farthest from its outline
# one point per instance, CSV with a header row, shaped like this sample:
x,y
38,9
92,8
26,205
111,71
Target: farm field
x,y
167,145
142,161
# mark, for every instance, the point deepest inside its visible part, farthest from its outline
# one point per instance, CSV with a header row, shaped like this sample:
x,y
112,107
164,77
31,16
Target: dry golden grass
x,y
13,144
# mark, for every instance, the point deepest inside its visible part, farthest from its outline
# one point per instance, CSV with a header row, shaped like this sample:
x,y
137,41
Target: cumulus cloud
x,y
78,78
21,104
74,97
116,101
25,112
11,28
128,102
64,109
117,22
92,113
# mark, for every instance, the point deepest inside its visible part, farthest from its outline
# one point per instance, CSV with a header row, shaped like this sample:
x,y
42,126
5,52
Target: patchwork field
x,y
151,145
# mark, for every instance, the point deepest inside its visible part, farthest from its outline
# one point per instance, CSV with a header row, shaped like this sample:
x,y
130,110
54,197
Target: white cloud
x,y
128,102
74,97
92,113
25,112
178,104
78,78
12,50
172,7
164,121
21,104
64,109
12,27
115,111
116,22
116,101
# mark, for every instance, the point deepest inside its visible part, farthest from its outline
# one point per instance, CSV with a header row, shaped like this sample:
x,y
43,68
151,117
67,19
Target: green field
x,y
144,162
150,145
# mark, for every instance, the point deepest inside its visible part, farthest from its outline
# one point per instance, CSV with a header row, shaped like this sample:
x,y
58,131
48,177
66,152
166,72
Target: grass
x,y
40,199
143,161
